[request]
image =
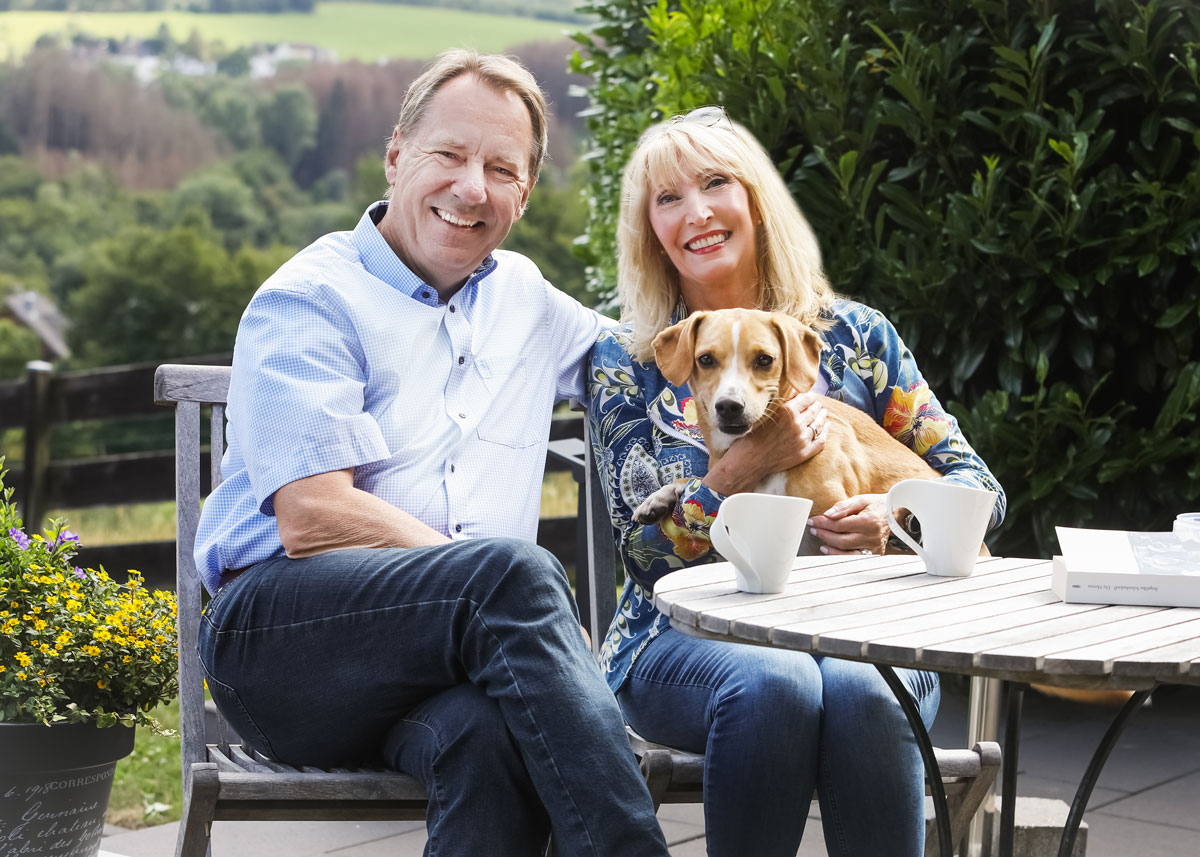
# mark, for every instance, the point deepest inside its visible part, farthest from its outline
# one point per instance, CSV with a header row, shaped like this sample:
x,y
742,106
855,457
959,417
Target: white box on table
x,y
1121,567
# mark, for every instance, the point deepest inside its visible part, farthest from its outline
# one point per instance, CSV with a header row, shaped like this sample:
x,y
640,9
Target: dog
x,y
741,366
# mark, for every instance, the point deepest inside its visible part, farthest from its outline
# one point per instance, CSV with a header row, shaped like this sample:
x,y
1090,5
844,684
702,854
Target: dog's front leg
x,y
660,504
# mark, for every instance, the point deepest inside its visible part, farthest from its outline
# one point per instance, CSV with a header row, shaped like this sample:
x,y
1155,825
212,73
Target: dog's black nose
x,y
730,410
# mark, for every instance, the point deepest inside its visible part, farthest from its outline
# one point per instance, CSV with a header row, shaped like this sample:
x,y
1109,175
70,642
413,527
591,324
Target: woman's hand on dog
x,y
853,525
795,435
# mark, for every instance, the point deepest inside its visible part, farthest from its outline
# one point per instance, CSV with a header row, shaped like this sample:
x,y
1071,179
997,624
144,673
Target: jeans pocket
x,y
236,715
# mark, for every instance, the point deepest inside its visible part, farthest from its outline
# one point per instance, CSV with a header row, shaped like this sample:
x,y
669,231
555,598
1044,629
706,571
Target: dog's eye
x,y
764,360
706,360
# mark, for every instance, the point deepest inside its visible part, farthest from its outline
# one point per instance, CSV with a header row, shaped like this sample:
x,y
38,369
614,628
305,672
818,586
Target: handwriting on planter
x,y
58,817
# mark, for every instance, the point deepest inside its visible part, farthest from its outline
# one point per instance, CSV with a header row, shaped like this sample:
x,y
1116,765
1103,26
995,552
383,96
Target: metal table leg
x,y
1092,774
932,772
1012,751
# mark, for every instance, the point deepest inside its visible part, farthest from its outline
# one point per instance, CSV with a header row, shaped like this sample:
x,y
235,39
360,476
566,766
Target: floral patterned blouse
x,y
645,434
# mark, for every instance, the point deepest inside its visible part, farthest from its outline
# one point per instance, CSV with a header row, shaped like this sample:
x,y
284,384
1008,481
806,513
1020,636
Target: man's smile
x,y
454,220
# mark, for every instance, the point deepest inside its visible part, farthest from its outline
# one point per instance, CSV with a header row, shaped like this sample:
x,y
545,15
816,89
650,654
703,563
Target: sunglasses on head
x,y
707,116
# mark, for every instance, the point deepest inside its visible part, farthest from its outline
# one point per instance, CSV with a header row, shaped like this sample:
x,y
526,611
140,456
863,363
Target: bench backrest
x,y
188,389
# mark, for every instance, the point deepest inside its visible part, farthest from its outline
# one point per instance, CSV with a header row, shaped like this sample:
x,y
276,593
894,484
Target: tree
x,y
289,121
18,345
231,107
221,198
175,292
1017,185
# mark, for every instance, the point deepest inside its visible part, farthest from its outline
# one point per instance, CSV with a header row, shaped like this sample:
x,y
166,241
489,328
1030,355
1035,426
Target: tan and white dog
x,y
741,366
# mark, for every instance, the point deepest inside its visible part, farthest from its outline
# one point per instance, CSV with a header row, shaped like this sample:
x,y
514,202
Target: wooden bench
x,y
223,780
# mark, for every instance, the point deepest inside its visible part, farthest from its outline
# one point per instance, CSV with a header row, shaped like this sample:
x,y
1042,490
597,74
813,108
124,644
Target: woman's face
x,y
706,225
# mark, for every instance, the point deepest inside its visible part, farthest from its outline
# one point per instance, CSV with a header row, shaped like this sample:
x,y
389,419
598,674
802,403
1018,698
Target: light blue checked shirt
x,y
344,358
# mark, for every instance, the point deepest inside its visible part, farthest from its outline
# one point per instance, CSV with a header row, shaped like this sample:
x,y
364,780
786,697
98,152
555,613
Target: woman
x,y
706,223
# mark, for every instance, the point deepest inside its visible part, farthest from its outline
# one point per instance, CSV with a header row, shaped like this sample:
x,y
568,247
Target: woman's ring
x,y
864,551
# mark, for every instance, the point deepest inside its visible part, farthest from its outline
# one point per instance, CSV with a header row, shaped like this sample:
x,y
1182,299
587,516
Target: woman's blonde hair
x,y
702,142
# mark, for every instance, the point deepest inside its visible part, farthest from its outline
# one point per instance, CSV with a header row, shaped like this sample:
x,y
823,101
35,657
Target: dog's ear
x,y
801,352
675,348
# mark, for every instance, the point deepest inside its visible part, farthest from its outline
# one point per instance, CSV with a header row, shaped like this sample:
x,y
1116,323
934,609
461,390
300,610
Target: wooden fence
x,y
44,398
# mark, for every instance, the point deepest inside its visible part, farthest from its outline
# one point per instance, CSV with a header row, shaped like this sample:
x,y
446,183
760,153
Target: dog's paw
x,y
659,504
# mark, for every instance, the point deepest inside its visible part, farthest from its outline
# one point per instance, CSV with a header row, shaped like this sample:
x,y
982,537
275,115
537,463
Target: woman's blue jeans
x,y
773,725
462,665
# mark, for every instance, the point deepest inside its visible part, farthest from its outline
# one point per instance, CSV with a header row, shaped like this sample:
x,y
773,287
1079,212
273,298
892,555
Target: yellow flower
x,y
23,659
913,419
3,668
101,684
688,539
22,676
39,624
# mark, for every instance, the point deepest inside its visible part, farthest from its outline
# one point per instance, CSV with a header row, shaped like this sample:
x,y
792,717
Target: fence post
x,y
38,378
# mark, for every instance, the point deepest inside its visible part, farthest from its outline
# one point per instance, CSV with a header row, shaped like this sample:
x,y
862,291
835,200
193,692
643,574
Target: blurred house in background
x,y
39,314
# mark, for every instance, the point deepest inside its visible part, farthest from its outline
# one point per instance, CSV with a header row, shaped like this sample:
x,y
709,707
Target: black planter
x,y
54,786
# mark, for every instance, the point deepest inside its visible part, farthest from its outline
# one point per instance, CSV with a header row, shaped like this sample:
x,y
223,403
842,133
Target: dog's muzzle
x,y
731,416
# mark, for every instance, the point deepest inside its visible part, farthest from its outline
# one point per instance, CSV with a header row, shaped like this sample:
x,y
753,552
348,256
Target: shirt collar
x,y
381,261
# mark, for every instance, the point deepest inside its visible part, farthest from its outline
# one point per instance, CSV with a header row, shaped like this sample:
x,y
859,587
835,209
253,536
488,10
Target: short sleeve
x,y
296,401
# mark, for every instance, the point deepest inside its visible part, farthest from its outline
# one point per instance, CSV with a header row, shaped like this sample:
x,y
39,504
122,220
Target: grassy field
x,y
354,30
147,788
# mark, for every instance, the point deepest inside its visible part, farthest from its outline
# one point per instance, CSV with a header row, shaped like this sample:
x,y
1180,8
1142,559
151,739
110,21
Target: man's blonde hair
x,y
790,278
504,74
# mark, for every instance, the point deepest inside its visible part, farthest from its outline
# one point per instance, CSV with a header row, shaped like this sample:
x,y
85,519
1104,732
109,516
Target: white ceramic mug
x,y
760,534
953,516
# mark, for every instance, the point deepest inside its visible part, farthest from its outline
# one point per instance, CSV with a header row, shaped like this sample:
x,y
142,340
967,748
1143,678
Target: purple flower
x,y
19,537
79,572
66,536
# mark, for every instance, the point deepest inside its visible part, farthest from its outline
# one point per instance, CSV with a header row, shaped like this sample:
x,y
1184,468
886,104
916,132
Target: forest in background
x,y
161,207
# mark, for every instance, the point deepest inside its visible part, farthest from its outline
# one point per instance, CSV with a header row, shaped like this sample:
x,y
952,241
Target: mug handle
x,y
900,496
722,540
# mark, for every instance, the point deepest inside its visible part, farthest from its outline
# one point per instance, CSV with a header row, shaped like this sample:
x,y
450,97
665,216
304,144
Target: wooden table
x,y
1002,621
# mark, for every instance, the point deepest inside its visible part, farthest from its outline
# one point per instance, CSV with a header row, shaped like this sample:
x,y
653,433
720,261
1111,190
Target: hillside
x,y
363,31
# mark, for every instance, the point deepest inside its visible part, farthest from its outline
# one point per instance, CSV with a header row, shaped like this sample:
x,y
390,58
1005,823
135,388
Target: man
x,y
388,415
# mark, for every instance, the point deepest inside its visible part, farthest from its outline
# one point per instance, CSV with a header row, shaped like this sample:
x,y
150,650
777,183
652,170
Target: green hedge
x,y
1016,184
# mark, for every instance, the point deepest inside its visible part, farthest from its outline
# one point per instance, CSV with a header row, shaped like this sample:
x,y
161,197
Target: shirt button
x,y
452,308
462,416
458,528
451,468
462,360
425,295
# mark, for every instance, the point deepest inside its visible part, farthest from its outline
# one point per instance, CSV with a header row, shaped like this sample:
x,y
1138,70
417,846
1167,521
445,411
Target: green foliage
x,y
164,292
289,121
1017,185
618,54
18,345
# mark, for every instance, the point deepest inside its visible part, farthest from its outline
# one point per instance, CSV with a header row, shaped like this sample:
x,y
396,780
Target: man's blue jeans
x,y
775,724
462,665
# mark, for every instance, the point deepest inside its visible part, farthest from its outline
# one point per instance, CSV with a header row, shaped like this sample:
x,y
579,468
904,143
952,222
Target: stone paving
x,y
1147,802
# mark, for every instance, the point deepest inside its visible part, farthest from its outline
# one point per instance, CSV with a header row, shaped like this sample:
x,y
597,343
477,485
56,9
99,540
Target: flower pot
x,y
54,786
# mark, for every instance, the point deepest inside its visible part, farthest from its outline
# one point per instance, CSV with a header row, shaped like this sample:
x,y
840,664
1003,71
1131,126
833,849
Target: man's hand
x,y
853,525
326,512
796,434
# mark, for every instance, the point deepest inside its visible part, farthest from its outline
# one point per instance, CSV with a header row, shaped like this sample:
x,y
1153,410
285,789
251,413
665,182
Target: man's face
x,y
459,181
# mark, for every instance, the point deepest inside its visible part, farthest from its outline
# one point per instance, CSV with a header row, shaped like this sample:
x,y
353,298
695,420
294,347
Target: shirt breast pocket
x,y
508,421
